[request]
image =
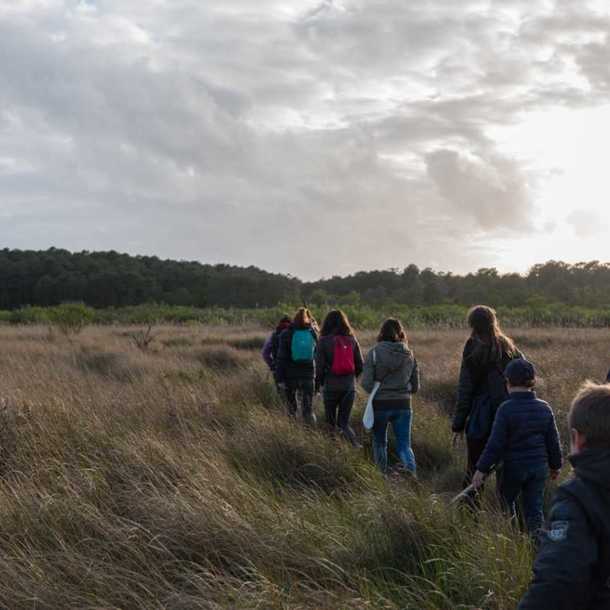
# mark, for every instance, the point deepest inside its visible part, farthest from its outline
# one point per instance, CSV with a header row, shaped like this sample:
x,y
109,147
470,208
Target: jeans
x,y
401,424
338,407
304,387
527,482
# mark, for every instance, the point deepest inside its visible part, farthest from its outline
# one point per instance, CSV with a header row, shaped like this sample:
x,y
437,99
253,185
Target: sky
x,y
308,137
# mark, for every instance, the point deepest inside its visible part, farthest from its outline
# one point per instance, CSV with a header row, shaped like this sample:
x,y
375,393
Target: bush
x,y
247,343
29,315
71,318
221,358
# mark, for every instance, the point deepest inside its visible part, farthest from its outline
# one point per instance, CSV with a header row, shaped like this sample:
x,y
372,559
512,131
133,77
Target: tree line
x,y
110,279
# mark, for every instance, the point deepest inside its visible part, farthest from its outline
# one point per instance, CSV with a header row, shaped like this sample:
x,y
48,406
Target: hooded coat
x,y
572,570
396,368
481,381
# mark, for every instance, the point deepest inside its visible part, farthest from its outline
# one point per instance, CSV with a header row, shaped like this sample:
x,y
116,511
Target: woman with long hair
x,y
393,364
295,368
338,364
482,386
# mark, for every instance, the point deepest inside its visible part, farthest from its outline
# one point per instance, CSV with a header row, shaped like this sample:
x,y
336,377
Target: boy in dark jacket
x,y
572,570
524,437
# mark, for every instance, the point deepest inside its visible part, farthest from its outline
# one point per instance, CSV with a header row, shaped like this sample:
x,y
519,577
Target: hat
x,y
520,372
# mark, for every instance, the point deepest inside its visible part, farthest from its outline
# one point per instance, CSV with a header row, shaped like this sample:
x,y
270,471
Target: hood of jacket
x,y
392,355
481,354
593,465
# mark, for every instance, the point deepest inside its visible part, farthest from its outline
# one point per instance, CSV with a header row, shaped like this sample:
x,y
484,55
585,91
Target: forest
x,y
111,279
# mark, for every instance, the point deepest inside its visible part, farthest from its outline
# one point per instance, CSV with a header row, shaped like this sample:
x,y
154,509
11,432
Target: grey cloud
x,y
490,190
308,137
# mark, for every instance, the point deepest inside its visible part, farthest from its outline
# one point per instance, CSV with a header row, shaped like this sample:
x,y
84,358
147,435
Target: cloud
x,y
491,191
303,136
587,223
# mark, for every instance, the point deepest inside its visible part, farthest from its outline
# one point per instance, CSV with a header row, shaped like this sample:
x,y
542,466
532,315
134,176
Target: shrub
x,y
221,358
247,343
71,318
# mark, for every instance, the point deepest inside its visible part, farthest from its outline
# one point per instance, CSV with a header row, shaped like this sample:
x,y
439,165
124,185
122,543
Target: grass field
x,y
170,478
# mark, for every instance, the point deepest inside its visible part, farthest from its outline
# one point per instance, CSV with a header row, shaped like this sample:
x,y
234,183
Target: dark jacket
x,y
525,433
572,570
286,370
272,346
481,387
396,368
324,363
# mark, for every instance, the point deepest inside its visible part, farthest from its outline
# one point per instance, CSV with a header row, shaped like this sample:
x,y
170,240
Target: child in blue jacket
x,y
525,438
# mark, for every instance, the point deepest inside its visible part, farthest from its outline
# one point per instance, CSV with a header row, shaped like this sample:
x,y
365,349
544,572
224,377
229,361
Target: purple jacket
x,y
267,352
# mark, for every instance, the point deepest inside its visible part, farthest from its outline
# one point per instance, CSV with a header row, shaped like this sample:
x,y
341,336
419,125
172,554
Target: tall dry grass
x,y
170,478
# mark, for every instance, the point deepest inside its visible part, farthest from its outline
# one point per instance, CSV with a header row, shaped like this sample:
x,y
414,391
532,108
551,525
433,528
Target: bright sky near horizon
x,y
305,136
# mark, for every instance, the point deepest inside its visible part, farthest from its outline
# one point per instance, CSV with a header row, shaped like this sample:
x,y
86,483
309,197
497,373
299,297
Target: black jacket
x,y
324,362
481,375
572,570
524,432
286,370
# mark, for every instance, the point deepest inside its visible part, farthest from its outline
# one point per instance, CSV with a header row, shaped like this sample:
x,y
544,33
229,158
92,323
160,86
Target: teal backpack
x,y
303,346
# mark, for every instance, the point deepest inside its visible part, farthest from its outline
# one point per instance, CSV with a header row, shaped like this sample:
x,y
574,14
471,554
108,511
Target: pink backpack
x,y
343,357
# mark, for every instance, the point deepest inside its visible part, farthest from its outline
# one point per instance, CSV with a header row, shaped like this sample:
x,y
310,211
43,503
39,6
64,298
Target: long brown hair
x,y
336,323
392,330
303,319
485,327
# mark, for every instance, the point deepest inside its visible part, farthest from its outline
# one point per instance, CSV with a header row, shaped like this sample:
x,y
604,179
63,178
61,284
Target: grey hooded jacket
x,y
396,368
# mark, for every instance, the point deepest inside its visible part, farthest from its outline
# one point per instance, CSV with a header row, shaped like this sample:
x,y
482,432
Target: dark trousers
x,y
338,407
527,482
474,450
304,388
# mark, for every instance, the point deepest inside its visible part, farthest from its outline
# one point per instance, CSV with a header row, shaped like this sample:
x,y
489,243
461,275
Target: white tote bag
x,y
368,419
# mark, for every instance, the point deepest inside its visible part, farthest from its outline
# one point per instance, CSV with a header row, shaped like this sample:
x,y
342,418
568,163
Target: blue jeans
x,y
527,482
401,424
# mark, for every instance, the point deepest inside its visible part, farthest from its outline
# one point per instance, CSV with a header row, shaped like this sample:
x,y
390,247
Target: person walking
x,y
295,368
393,364
525,438
482,386
338,364
572,569
271,347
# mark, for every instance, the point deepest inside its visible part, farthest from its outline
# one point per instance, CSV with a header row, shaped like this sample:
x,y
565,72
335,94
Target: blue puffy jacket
x,y
524,432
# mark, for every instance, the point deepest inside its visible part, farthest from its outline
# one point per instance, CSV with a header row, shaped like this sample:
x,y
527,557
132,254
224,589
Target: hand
x,y
555,474
457,439
478,479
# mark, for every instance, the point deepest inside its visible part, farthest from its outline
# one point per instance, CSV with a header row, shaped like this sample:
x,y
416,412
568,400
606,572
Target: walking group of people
x,y
305,360
507,429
